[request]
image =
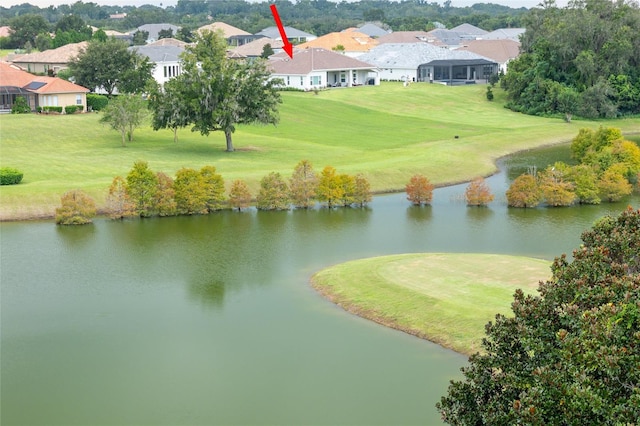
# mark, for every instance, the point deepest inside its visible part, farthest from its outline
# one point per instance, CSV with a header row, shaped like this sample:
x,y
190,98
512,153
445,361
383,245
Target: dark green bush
x,y
10,176
20,106
48,109
71,109
96,102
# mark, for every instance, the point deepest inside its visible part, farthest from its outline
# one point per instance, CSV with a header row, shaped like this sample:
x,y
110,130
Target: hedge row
x,y
10,176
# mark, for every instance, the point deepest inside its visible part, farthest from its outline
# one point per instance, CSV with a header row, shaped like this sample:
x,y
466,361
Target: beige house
x,y
49,61
39,91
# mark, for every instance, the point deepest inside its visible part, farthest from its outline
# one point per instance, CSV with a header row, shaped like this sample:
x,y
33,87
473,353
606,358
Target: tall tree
x,y
223,93
109,65
303,185
142,188
25,29
569,355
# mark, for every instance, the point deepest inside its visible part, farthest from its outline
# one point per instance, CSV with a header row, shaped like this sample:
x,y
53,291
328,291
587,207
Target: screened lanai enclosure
x,y
457,71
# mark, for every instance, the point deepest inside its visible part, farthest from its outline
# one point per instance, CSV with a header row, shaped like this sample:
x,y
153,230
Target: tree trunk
x,y
175,134
228,134
124,141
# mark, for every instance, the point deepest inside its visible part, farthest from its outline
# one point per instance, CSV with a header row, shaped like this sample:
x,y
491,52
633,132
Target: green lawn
x,y
388,133
445,298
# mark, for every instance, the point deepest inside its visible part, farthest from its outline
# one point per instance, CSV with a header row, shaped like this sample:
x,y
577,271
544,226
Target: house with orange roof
x,y
39,91
349,42
502,51
315,68
49,61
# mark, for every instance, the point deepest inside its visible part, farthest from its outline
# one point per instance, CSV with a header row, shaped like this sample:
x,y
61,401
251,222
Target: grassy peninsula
x,y
445,298
388,133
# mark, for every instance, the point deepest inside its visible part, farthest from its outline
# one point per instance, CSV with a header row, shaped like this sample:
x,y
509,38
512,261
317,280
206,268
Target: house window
x,y
78,99
165,71
301,81
316,80
288,81
343,77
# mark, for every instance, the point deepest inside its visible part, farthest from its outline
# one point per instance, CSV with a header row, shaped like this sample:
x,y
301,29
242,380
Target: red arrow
x,y
288,47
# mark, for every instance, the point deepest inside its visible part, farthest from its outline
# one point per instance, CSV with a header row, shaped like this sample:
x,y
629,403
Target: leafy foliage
x,y
524,192
478,193
362,191
118,201
142,187
239,195
273,194
582,59
215,93
190,192
110,65
569,355
125,113
20,106
348,186
25,28
330,189
96,102
164,202
77,208
556,189
214,188
303,185
419,190
10,176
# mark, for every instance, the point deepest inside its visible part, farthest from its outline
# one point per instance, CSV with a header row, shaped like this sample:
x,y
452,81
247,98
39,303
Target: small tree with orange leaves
x,y
419,190
478,193
239,195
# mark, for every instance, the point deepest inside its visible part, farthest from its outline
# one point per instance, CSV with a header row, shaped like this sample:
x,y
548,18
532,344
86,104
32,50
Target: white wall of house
x,y
398,74
319,79
165,71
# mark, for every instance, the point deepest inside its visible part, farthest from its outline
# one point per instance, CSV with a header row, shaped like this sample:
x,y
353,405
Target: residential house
x,y
501,51
469,32
166,60
407,37
234,36
314,68
505,33
408,62
255,48
169,42
154,30
294,35
37,90
372,30
5,31
348,42
49,61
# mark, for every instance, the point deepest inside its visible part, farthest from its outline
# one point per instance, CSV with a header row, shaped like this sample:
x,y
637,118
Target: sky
x,y
455,3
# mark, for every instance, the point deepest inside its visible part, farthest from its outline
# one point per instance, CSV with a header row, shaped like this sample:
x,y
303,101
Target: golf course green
x,y
387,132
445,298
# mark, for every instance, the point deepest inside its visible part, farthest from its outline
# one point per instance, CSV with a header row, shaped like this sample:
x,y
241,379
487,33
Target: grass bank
x,y
387,133
445,298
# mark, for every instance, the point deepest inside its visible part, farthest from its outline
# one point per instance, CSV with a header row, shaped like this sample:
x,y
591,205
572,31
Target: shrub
x,y
419,190
348,184
96,102
524,192
164,202
118,202
303,185
239,195
190,192
20,106
362,194
329,187
10,176
142,186
556,191
72,109
613,185
273,194
77,208
214,187
478,193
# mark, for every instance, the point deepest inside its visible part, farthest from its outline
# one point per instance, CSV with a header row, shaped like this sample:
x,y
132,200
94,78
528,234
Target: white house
x,y
314,68
166,59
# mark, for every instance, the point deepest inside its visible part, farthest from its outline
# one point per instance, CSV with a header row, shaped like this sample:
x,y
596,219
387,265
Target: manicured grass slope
x,y
445,298
388,133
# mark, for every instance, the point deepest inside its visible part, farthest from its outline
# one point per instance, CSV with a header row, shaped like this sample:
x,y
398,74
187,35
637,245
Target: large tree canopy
x,y
25,29
570,355
110,65
215,92
583,59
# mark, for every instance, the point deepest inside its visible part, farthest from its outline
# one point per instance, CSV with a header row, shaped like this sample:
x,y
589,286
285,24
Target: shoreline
x,y
28,217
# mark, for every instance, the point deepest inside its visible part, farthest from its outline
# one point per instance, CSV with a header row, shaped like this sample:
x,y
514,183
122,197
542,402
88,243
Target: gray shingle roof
x,y
274,33
160,53
411,55
504,33
154,29
372,30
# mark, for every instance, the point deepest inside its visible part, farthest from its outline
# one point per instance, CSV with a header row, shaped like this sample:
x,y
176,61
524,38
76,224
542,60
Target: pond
x,y
211,320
